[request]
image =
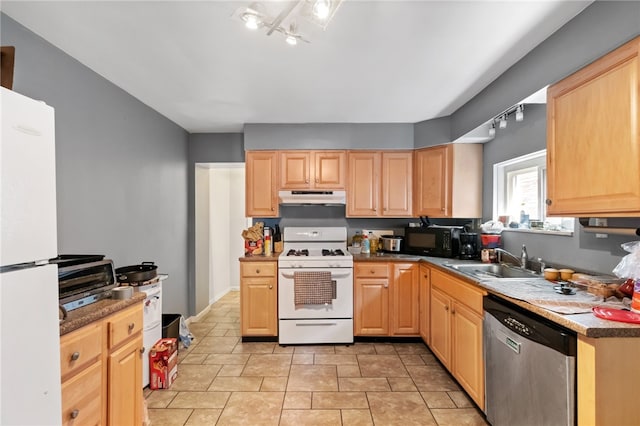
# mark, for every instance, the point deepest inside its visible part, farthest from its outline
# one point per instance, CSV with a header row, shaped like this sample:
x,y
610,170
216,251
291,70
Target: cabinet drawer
x,y
462,292
371,269
81,397
124,325
258,269
80,348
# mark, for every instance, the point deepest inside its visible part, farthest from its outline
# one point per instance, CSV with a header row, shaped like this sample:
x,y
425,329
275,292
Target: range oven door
x,y
341,306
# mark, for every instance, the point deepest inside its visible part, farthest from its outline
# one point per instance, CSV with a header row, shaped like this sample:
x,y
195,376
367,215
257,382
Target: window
x,y
520,191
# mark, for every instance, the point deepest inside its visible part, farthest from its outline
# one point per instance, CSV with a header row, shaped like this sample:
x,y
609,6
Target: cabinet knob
x,y
75,356
75,413
372,271
548,201
453,311
270,287
446,308
132,326
272,209
426,275
257,271
306,181
142,349
386,285
442,209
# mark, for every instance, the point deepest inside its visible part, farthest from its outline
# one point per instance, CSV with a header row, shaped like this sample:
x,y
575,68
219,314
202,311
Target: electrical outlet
x,y
602,235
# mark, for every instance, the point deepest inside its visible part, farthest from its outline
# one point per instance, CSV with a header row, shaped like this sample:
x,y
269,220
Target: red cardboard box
x,y
163,363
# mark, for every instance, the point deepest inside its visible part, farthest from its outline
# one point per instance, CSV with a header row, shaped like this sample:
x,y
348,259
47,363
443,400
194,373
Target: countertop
x,y
82,316
586,324
259,258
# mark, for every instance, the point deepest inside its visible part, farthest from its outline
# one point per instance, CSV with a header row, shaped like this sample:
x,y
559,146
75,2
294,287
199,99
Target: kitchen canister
x,y
635,301
122,293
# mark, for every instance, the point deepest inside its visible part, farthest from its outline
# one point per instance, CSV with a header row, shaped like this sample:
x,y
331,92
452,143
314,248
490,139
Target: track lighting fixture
x,y
503,122
492,129
520,112
321,9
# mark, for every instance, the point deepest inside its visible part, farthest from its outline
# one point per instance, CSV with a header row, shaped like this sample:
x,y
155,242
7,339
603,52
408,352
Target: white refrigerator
x,y
30,392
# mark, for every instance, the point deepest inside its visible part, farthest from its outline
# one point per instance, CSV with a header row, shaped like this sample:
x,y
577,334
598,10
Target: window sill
x,y
540,231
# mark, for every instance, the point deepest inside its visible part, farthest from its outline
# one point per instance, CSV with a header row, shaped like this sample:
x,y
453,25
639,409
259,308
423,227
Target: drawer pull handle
x,y
75,356
75,413
257,271
270,287
132,326
373,272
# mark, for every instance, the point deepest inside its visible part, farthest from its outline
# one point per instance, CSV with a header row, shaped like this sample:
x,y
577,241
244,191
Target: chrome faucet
x,y
515,259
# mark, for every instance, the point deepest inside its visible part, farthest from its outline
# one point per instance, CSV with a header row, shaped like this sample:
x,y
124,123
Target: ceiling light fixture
x,y
492,129
520,112
286,14
503,122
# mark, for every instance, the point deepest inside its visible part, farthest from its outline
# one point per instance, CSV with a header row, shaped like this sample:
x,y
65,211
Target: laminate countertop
x,y
259,258
102,308
518,292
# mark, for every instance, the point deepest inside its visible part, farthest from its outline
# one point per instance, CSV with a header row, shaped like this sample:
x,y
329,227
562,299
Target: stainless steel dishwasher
x,y
530,366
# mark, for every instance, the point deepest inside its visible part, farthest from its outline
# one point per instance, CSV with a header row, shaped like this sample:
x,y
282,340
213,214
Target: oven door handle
x,y
333,276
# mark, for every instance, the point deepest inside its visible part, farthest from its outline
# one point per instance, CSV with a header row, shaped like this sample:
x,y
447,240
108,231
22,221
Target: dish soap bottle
x,y
366,247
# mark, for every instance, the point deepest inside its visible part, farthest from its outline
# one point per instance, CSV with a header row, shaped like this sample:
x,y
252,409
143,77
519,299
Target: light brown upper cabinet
x,y
312,169
448,181
379,183
261,184
593,138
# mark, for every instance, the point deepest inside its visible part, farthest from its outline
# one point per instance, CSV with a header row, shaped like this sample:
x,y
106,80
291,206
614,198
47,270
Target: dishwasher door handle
x,y
508,341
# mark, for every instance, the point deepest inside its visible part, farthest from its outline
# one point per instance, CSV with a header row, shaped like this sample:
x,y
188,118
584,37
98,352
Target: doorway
x,y
219,222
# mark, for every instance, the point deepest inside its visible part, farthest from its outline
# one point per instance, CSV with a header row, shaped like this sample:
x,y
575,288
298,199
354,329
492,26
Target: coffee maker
x,y
469,245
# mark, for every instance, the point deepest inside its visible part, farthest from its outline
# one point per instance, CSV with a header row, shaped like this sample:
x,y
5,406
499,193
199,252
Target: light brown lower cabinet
x,y
101,371
425,304
258,298
456,331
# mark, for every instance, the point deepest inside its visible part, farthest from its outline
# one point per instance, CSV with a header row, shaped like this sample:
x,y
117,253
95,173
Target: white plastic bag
x,y
629,266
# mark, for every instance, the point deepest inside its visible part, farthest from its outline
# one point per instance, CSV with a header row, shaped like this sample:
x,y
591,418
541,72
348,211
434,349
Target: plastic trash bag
x,y
185,334
629,266
492,227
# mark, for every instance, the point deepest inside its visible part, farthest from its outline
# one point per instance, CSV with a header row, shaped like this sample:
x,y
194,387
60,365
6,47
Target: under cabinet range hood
x,y
327,198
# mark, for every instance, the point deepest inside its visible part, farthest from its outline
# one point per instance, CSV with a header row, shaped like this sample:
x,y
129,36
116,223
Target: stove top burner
x,y
293,252
336,252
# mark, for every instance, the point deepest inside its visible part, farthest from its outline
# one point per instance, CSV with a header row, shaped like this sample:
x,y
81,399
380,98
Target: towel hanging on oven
x,y
313,288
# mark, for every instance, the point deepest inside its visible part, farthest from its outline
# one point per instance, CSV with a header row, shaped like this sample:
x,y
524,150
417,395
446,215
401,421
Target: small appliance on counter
x,y
83,279
433,240
469,246
390,243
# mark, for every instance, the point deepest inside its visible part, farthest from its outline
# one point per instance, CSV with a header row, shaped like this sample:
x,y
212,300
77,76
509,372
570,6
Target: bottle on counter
x,y
357,239
366,247
268,249
277,240
373,243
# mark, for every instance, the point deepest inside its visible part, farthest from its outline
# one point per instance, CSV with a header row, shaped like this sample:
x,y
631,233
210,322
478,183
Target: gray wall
x,y
582,251
328,136
432,132
205,148
121,166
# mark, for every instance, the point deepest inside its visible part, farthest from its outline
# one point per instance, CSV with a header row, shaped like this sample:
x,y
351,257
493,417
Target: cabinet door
x,y
397,178
259,306
441,326
405,317
82,397
330,170
593,138
371,307
433,181
468,365
425,304
125,384
261,191
295,170
363,184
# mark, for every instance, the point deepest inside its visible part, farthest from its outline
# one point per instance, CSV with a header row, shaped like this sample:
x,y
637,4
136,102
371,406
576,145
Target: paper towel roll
x,y
122,293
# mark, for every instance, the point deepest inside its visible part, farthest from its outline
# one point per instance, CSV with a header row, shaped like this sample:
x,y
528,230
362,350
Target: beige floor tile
x,y
438,400
315,349
254,348
283,349
227,359
252,408
399,408
334,359
363,384
429,359
458,417
402,384
274,384
236,384
267,365
411,348
297,400
231,370
381,366
411,359
235,332
356,418
193,358
313,378
217,332
169,417
200,400
357,348
310,418
432,378
385,349
461,399
349,371
194,377
203,417
160,398
227,326
302,359
339,400
219,341
215,349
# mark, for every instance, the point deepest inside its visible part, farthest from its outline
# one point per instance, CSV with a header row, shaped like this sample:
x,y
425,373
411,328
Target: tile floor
x,y
222,381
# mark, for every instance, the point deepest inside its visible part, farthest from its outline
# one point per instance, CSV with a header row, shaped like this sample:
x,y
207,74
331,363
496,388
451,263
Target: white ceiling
x,y
376,62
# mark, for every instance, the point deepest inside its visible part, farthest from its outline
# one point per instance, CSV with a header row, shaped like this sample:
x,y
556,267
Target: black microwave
x,y
439,241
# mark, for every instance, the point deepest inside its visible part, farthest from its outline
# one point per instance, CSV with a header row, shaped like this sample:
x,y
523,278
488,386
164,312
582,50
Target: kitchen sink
x,y
492,270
